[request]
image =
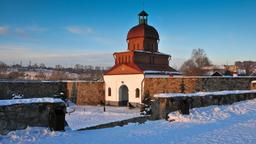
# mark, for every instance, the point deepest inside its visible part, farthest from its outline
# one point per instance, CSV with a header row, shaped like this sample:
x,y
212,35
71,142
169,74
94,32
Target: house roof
x,y
131,68
123,69
253,74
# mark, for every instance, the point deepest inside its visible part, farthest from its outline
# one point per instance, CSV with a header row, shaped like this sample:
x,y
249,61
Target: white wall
x,y
132,81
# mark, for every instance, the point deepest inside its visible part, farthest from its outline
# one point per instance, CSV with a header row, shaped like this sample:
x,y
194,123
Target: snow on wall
x,y
217,93
29,101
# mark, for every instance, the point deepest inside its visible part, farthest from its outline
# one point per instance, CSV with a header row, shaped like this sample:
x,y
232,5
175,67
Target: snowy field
x,y
234,124
87,116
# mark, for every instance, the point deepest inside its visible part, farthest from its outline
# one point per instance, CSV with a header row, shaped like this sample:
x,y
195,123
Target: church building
x,y
124,81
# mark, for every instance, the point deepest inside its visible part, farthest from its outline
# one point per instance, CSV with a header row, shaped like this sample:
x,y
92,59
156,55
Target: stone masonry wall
x,y
30,89
86,93
194,84
80,92
19,116
162,106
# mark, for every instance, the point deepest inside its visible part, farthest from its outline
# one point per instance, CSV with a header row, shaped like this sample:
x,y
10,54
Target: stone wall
x,y
30,89
194,84
164,105
19,116
80,92
86,93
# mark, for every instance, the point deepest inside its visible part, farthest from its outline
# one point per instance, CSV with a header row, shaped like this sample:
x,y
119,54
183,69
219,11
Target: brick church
x,y
124,81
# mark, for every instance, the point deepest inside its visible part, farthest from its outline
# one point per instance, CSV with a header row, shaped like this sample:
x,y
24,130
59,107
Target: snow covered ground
x,y
234,124
87,116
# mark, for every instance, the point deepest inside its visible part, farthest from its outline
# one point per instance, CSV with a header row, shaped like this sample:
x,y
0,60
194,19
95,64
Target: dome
x,y
144,31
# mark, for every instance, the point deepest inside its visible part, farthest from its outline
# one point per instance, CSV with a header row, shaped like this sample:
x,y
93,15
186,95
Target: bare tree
x,y
3,69
42,65
248,66
40,76
58,75
194,65
16,75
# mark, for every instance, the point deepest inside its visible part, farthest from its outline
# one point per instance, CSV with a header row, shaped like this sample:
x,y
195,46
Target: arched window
x,y
109,91
137,93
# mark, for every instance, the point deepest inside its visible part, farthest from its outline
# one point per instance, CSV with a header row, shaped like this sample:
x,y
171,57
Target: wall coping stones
x,y
30,100
210,77
45,81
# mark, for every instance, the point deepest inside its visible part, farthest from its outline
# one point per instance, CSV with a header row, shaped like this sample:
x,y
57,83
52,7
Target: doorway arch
x,y
123,95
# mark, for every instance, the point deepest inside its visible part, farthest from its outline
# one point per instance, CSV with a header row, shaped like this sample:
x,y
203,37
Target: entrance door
x,y
123,95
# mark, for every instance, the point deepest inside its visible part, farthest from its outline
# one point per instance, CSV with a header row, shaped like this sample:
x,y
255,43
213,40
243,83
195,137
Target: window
x,y
126,59
137,93
119,59
109,91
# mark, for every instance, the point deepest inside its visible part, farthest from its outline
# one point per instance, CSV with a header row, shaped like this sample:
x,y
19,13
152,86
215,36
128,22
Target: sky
x,y
88,32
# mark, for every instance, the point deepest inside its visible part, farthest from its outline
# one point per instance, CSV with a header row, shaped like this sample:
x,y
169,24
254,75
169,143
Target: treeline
x,y
42,72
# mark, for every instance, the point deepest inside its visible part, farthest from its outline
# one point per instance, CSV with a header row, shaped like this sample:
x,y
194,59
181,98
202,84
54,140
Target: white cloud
x,y
21,32
24,31
79,29
3,30
15,53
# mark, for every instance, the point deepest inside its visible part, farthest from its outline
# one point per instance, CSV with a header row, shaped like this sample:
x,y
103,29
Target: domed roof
x,y
143,30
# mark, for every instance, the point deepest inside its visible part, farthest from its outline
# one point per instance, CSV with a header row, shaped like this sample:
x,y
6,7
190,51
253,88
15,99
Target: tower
x,y
143,36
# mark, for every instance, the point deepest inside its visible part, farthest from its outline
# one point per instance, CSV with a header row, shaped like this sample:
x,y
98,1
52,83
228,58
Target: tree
x,y
16,75
194,65
248,66
58,75
3,69
42,65
40,76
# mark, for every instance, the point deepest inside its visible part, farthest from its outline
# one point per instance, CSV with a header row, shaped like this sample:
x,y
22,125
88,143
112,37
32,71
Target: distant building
x,y
124,81
248,66
253,74
225,70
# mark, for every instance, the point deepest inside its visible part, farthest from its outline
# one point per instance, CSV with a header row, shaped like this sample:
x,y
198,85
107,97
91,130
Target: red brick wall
x,y
91,93
195,84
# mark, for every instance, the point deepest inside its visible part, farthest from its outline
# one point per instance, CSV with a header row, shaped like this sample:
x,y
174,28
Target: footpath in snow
x,y
227,124
88,116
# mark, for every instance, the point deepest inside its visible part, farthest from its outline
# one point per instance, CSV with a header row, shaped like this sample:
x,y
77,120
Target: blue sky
x,y
88,31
